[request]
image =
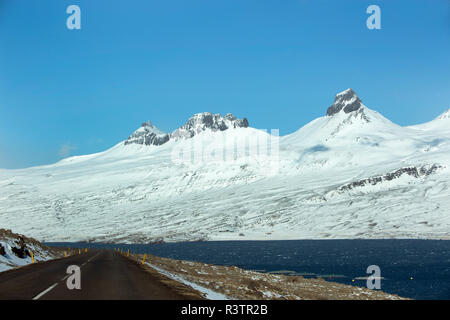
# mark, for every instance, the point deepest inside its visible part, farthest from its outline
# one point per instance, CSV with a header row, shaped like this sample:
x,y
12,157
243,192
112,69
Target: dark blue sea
x,y
418,269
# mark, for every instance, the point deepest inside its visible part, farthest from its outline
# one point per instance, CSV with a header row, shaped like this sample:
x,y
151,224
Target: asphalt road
x,y
105,275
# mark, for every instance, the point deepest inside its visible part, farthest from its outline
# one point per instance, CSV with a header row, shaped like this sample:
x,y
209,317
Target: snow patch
x,y
209,294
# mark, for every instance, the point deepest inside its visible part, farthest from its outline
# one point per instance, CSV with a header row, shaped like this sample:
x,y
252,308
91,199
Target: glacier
x,y
349,174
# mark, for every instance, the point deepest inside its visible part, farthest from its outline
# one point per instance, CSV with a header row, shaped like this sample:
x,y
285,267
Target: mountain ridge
x,y
349,175
199,122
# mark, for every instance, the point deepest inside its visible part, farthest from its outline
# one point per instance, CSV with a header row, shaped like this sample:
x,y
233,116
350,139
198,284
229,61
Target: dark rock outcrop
x,y
150,135
347,101
147,134
206,120
21,251
415,172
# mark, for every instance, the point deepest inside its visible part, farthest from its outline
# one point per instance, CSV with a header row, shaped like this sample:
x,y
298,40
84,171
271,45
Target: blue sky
x,y
278,63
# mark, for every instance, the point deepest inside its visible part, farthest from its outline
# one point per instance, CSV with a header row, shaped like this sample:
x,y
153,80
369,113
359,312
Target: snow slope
x,y
349,174
441,123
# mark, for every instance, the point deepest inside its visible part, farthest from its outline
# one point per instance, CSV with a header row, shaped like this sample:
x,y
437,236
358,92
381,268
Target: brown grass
x,y
178,287
242,284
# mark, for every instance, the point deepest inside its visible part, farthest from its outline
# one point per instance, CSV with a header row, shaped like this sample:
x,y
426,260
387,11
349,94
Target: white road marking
x,y
92,258
54,285
65,277
45,291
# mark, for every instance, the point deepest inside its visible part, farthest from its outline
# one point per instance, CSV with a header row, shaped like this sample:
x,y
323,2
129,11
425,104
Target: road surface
x,y
104,275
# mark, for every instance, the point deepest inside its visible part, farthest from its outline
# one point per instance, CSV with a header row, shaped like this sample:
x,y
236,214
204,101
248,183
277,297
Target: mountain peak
x,y
148,134
346,100
206,120
445,115
147,124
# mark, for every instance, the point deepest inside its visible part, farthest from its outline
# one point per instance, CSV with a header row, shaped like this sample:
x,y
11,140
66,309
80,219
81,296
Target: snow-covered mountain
x,y
441,123
349,174
148,134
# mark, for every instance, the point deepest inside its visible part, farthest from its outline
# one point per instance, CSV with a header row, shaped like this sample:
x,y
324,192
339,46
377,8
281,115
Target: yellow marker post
x,y
32,256
85,250
65,253
128,253
143,260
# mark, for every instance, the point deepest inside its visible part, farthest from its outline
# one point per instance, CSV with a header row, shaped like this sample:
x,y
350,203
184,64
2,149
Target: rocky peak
x,y
215,122
147,124
148,134
346,100
445,115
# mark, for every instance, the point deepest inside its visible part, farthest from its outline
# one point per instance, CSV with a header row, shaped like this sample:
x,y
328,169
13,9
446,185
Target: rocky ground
x,y
18,250
223,282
